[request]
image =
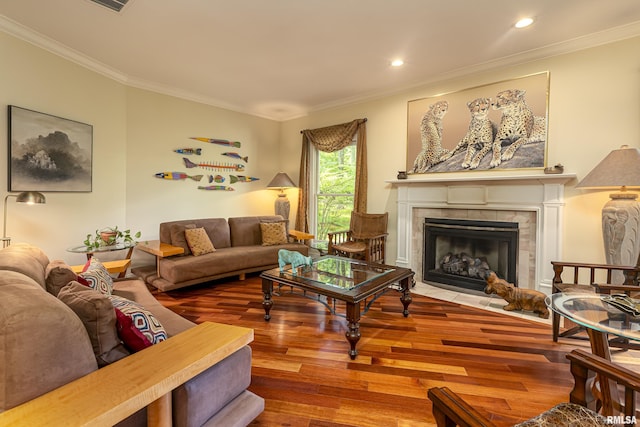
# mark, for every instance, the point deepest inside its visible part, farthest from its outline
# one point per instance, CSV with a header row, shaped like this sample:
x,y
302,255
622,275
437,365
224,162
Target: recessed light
x,y
397,62
524,22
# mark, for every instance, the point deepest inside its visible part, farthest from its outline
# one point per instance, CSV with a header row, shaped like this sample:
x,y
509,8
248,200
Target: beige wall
x,y
594,107
134,135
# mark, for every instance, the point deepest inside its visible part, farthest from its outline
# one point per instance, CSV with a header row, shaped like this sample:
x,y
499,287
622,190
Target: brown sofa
x,y
44,345
239,250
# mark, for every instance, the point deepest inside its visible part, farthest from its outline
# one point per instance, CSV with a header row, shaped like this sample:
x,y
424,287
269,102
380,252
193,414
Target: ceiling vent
x,y
115,5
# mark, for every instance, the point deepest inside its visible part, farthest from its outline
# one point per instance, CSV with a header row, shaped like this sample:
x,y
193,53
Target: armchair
x,y
365,239
567,277
585,408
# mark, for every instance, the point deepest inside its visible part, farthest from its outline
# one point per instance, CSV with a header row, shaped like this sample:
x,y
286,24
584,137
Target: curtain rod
x,y
363,120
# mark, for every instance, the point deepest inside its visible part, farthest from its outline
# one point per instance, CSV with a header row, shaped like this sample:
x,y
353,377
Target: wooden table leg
x,y
159,412
353,325
406,299
267,303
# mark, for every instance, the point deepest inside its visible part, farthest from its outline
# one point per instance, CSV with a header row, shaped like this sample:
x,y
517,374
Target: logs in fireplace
x,y
461,252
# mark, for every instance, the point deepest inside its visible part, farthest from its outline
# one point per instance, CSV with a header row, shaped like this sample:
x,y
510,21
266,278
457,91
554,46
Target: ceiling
x,y
282,59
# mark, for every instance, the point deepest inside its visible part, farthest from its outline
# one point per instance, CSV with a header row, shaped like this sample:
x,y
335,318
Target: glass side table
x,y
91,251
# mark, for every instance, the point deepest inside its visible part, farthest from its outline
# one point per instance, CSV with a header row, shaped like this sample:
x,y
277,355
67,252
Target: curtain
x,y
330,139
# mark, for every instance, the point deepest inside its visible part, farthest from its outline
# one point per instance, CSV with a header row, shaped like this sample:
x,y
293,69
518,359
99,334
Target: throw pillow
x,y
273,233
199,242
178,237
57,275
99,319
136,321
97,277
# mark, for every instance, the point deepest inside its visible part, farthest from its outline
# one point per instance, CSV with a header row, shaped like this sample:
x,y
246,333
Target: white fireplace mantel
x,y
534,192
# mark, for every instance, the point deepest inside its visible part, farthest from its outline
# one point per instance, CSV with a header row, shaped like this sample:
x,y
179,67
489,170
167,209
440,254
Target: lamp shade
x,y
281,180
31,197
621,168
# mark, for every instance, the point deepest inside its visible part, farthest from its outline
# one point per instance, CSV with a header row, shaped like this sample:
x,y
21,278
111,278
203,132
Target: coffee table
x,y
342,279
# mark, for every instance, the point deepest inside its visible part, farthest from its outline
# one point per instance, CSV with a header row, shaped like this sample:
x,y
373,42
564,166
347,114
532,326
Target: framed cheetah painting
x,y
496,126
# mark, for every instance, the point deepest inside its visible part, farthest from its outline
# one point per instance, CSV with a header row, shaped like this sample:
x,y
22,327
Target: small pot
x,y
108,236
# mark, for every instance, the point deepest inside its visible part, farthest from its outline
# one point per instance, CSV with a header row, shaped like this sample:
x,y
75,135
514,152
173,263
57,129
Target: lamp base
x,y
621,232
282,206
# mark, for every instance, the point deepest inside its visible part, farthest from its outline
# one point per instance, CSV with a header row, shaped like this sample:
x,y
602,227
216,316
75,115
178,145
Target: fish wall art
x,y
177,176
217,178
236,156
218,141
216,188
241,178
189,151
214,165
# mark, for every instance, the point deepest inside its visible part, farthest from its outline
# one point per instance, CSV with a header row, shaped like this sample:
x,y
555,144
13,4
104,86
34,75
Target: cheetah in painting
x,y
515,127
431,137
479,138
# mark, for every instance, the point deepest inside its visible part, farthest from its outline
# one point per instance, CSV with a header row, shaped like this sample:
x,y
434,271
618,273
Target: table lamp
x,y
28,197
282,205
621,214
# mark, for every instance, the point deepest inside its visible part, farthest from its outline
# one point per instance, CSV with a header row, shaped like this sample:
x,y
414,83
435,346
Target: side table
x,y
160,250
117,266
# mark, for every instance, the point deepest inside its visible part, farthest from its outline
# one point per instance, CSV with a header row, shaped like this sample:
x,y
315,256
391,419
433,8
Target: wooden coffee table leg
x,y
353,325
267,303
406,299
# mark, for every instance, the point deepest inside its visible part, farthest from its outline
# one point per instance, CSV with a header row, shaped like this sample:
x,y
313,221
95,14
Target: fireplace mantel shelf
x,y
471,177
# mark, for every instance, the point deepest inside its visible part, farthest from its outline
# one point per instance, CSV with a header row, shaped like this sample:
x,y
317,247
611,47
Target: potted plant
x,y
110,236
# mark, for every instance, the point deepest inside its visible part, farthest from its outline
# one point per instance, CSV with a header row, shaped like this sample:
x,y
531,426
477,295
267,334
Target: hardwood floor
x,y
507,367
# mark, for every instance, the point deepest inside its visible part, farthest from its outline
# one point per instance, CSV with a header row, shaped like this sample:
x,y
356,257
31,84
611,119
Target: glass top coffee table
x,y
351,281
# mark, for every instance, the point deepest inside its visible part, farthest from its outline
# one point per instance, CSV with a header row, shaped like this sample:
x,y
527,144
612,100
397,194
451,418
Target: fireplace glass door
x,y
461,252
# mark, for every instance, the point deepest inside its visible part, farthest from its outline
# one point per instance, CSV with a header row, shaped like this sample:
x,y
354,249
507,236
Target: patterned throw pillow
x,y
199,242
273,233
139,328
97,277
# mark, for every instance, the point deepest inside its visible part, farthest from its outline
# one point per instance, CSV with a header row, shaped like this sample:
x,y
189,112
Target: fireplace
x,y
461,252
532,199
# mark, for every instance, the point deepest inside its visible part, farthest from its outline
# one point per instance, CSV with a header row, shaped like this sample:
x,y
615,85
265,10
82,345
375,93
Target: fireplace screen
x,y
460,252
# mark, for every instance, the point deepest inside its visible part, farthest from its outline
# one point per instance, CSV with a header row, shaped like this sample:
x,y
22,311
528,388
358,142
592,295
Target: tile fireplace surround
x,y
534,200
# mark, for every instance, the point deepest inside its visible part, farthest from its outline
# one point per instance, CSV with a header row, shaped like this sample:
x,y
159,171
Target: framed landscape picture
x,y
496,126
48,153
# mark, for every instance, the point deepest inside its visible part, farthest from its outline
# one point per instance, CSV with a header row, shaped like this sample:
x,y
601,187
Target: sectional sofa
x,y
50,336
241,245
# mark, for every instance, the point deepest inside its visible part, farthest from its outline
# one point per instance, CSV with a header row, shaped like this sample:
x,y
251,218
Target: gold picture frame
x,y
443,137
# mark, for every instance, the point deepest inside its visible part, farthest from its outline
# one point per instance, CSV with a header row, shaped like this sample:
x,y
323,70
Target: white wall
x,y
594,107
134,135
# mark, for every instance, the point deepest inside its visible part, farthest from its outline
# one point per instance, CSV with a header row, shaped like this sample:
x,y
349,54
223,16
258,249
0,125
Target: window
x,y
333,178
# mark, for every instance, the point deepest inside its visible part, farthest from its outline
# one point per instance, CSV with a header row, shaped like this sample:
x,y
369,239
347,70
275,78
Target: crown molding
x,y
580,43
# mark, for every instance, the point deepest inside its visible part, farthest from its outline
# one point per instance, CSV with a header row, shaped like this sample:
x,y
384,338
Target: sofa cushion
x,y
57,275
26,259
217,229
178,237
198,241
273,233
98,317
141,319
44,345
98,277
245,231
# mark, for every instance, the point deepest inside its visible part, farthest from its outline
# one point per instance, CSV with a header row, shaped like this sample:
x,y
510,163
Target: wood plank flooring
x,y
507,367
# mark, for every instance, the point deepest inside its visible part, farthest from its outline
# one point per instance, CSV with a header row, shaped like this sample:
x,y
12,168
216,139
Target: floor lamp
x,y
282,205
28,197
621,214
